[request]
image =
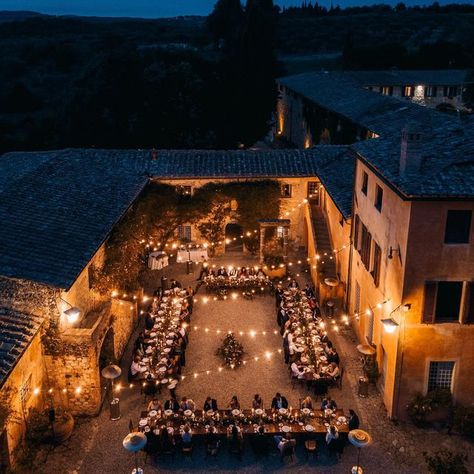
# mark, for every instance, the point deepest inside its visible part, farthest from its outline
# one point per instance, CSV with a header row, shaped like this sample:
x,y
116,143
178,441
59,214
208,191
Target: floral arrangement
x,y
231,351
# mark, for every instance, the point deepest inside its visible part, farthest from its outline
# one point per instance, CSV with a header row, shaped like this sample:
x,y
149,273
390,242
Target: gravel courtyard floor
x,y
96,444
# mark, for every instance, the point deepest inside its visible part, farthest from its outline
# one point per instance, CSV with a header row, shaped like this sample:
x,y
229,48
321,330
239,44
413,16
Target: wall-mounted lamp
x,y
72,314
391,251
389,325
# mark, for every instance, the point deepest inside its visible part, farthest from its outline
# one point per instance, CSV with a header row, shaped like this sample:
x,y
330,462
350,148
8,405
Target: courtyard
x,y
96,444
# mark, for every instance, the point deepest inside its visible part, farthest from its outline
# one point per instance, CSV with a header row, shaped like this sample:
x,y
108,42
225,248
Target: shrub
x,y
464,421
446,462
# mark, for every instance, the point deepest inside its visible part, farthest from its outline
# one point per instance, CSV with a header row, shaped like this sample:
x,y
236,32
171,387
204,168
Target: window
x,y
365,182
440,375
470,303
442,301
386,90
431,91
313,187
450,91
365,244
285,190
378,198
376,264
458,227
369,327
184,233
25,390
357,298
408,91
356,232
184,190
281,232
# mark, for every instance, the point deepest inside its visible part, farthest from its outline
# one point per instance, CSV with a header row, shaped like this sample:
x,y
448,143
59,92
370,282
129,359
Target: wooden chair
x,y
311,448
212,449
187,449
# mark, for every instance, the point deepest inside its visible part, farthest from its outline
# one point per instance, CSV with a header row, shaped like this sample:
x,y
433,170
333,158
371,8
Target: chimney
x,y
411,149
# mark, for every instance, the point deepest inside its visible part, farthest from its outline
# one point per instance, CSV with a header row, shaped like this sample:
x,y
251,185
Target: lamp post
x,y
112,372
360,439
133,443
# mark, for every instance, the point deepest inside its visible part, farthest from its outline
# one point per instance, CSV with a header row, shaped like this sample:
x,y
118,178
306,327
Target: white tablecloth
x,y
157,260
195,255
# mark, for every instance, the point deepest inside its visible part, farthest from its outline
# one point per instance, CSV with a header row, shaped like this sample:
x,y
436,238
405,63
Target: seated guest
x,y
309,291
149,322
234,439
297,371
283,442
210,404
329,404
187,404
139,346
234,403
257,402
186,436
154,404
166,440
174,284
333,370
212,442
150,386
354,422
332,355
135,369
293,284
307,403
279,402
331,435
204,270
171,404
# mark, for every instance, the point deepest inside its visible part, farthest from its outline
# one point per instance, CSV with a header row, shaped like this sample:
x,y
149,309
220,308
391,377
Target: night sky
x,y
158,8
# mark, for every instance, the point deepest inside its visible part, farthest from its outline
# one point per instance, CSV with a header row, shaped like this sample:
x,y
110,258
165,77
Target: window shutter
x,y
470,303
356,232
430,301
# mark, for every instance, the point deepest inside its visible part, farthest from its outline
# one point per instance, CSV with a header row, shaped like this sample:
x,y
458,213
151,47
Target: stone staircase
x,y
327,262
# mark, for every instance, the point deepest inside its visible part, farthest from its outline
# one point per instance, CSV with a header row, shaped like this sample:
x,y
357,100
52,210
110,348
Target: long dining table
x,y
295,421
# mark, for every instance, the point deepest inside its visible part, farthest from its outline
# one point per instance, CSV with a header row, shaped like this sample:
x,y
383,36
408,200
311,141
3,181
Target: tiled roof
x,y
231,164
398,77
58,209
336,173
381,114
16,332
447,150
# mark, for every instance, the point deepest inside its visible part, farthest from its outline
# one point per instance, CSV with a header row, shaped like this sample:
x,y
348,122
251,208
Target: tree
x,y
225,22
212,227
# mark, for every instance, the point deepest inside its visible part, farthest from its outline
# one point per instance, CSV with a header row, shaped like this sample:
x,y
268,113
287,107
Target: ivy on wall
x,y
159,211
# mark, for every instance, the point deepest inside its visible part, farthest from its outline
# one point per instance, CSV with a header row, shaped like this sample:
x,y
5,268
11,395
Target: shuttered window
x,y
442,301
429,303
470,303
376,264
356,232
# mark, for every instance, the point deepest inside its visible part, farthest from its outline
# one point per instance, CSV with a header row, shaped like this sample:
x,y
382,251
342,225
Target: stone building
x,y
409,272
58,209
332,107
384,209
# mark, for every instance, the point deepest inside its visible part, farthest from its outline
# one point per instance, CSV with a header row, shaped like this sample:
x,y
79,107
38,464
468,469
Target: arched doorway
x,y
233,239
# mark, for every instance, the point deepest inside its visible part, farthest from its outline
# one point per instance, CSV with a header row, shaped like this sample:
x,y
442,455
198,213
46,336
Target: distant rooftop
x,y
398,77
16,332
383,115
447,151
